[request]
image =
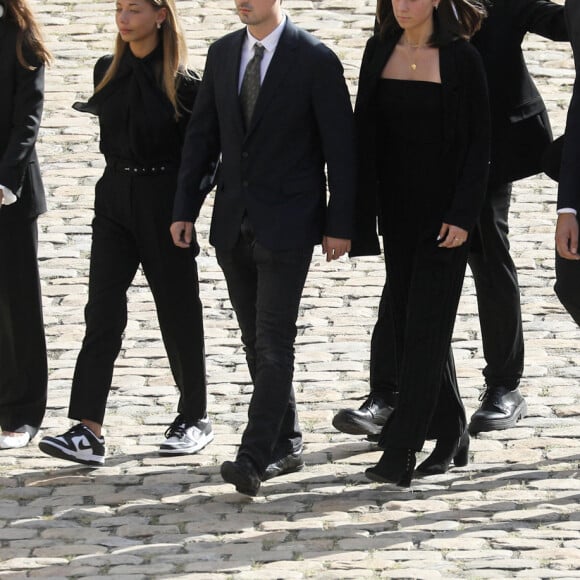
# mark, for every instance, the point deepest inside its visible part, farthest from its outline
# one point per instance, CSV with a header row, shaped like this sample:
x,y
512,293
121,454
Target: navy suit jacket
x,y
569,187
274,171
21,100
520,125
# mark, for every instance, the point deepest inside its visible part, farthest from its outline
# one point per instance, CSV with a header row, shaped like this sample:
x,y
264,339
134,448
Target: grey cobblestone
x,y
512,512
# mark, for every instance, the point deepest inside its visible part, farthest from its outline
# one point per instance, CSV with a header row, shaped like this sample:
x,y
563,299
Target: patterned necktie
x,y
251,84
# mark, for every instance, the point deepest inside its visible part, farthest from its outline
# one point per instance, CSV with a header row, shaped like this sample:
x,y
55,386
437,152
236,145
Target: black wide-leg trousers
x,y
131,228
425,284
498,299
23,362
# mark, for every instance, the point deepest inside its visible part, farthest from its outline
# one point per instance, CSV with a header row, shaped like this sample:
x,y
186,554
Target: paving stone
x,y
511,513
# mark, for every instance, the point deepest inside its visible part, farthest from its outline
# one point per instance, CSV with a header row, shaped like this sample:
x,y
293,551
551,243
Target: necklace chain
x,y
415,47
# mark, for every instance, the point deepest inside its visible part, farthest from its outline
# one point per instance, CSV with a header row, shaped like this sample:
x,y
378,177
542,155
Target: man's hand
x,y
567,236
334,248
181,232
451,236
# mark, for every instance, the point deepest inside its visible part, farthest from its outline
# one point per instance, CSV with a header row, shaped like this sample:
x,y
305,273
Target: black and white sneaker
x,y
78,444
184,436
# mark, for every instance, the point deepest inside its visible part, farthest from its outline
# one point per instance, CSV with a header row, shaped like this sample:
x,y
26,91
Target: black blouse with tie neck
x,y
137,121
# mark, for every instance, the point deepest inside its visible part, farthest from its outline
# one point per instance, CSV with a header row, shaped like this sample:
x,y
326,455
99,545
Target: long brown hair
x,y
29,34
174,53
452,19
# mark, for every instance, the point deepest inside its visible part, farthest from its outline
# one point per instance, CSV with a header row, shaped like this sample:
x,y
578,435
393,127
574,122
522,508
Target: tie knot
x,y
259,50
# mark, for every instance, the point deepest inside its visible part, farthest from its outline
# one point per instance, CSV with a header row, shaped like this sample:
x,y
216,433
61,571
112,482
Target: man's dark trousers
x,y
265,288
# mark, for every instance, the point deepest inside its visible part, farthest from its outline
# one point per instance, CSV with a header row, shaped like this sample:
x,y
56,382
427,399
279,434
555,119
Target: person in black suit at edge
x,y
143,98
567,258
520,133
423,139
274,101
23,363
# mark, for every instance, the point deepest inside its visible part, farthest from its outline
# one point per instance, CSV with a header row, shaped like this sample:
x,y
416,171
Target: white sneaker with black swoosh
x,y
78,444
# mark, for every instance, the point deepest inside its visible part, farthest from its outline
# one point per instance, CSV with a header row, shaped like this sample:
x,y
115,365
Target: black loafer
x,y
288,464
369,419
500,408
242,474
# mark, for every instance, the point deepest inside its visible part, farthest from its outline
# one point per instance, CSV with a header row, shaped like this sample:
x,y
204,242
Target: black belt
x,y
132,168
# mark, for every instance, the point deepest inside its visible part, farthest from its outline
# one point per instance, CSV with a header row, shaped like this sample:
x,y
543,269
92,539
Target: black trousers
x,y
498,299
567,285
23,363
131,227
425,284
265,289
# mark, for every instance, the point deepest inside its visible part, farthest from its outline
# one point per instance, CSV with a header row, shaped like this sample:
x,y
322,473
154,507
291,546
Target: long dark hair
x,y
29,35
452,19
174,53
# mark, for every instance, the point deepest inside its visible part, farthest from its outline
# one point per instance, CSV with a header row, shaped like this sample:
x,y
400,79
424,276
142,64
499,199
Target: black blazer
x,y
569,187
466,135
21,100
275,170
520,125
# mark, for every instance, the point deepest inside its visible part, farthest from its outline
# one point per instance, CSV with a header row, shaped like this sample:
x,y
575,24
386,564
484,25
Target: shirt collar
x,y
269,42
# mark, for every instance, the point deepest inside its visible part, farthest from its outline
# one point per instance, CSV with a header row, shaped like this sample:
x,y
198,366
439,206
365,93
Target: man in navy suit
x,y
567,259
271,208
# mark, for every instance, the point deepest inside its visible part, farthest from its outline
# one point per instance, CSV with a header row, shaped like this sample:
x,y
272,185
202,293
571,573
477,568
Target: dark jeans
x,y
265,289
23,364
567,285
498,299
131,227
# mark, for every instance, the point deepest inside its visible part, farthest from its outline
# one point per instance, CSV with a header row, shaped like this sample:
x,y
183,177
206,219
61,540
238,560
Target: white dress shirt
x,y
269,42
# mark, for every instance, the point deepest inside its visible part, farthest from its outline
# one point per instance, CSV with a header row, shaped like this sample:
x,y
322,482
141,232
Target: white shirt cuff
x,y
8,196
567,210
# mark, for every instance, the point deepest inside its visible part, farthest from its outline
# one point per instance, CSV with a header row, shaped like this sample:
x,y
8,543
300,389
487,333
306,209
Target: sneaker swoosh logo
x,y
83,446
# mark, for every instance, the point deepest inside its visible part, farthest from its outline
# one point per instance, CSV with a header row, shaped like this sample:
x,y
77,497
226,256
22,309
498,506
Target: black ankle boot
x,y
395,466
446,450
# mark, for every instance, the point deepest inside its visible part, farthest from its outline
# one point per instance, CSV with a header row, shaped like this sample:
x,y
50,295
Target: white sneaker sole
x,y
187,449
85,458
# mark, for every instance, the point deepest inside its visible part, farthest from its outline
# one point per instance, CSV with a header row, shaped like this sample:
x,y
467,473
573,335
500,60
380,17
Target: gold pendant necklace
x,y
415,48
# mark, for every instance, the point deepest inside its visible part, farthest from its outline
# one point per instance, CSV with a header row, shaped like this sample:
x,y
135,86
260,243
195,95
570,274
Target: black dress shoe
x,y
395,466
242,474
500,408
287,464
446,451
369,419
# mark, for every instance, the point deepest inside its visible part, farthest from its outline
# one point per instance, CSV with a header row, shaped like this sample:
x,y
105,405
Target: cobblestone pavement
x,y
512,512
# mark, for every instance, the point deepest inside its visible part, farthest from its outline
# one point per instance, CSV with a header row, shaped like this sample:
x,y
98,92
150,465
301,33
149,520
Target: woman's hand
x,y
452,236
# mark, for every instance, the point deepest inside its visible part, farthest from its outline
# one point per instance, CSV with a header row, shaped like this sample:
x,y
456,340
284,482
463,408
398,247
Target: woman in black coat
x,y
23,365
423,139
143,97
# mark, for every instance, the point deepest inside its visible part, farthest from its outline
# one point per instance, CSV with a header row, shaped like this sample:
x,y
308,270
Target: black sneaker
x,y
184,436
78,444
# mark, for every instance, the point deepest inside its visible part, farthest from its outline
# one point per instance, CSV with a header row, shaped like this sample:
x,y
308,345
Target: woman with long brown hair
x,y
423,137
23,365
143,97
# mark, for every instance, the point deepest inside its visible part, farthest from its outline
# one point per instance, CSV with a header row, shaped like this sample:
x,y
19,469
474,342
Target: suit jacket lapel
x,y
232,78
282,61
